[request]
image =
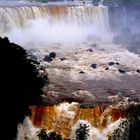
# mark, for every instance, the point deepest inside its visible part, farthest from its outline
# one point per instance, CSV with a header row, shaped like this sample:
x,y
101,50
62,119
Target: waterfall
x,y
104,123
64,117
17,16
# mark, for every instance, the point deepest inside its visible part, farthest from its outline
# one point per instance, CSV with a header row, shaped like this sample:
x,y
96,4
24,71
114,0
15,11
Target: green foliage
x,y
42,135
82,132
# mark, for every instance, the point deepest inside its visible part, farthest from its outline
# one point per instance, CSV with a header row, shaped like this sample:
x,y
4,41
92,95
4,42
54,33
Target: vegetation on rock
x,y
21,86
42,135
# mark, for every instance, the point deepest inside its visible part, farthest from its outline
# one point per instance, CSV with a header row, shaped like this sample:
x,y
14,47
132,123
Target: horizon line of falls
x,y
112,122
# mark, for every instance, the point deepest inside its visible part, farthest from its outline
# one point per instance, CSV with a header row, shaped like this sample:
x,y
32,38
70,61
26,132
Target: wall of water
x,y
17,17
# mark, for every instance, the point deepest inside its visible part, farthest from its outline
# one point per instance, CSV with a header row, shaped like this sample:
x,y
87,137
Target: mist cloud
x,y
41,32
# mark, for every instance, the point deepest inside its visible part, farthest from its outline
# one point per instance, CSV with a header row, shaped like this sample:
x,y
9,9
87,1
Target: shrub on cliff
x,y
21,86
42,135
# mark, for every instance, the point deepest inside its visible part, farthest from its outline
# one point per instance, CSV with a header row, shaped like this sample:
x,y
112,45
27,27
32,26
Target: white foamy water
x,y
27,130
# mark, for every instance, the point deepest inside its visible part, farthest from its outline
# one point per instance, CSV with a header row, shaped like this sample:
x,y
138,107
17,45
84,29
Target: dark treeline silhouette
x,y
21,86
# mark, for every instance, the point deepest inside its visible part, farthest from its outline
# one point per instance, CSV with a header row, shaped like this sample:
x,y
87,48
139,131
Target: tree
x,y
21,86
82,132
42,135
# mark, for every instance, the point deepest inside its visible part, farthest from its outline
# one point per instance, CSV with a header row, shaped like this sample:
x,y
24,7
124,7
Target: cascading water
x,y
18,16
82,26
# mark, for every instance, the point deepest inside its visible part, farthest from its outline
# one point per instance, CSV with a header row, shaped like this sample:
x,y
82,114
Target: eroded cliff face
x,y
61,118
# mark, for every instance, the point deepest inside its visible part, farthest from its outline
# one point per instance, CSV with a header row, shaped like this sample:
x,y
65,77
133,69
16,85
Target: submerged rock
x,y
47,58
82,72
106,68
89,50
138,71
94,65
117,63
52,55
121,71
62,58
111,63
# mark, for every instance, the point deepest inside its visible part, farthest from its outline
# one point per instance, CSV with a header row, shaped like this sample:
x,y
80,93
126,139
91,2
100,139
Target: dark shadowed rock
x,y
94,65
121,71
111,63
62,58
82,72
47,58
52,55
89,50
117,63
106,68
138,71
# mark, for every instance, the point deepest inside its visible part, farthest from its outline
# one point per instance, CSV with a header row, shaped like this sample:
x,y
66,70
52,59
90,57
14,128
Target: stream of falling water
x,y
14,17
